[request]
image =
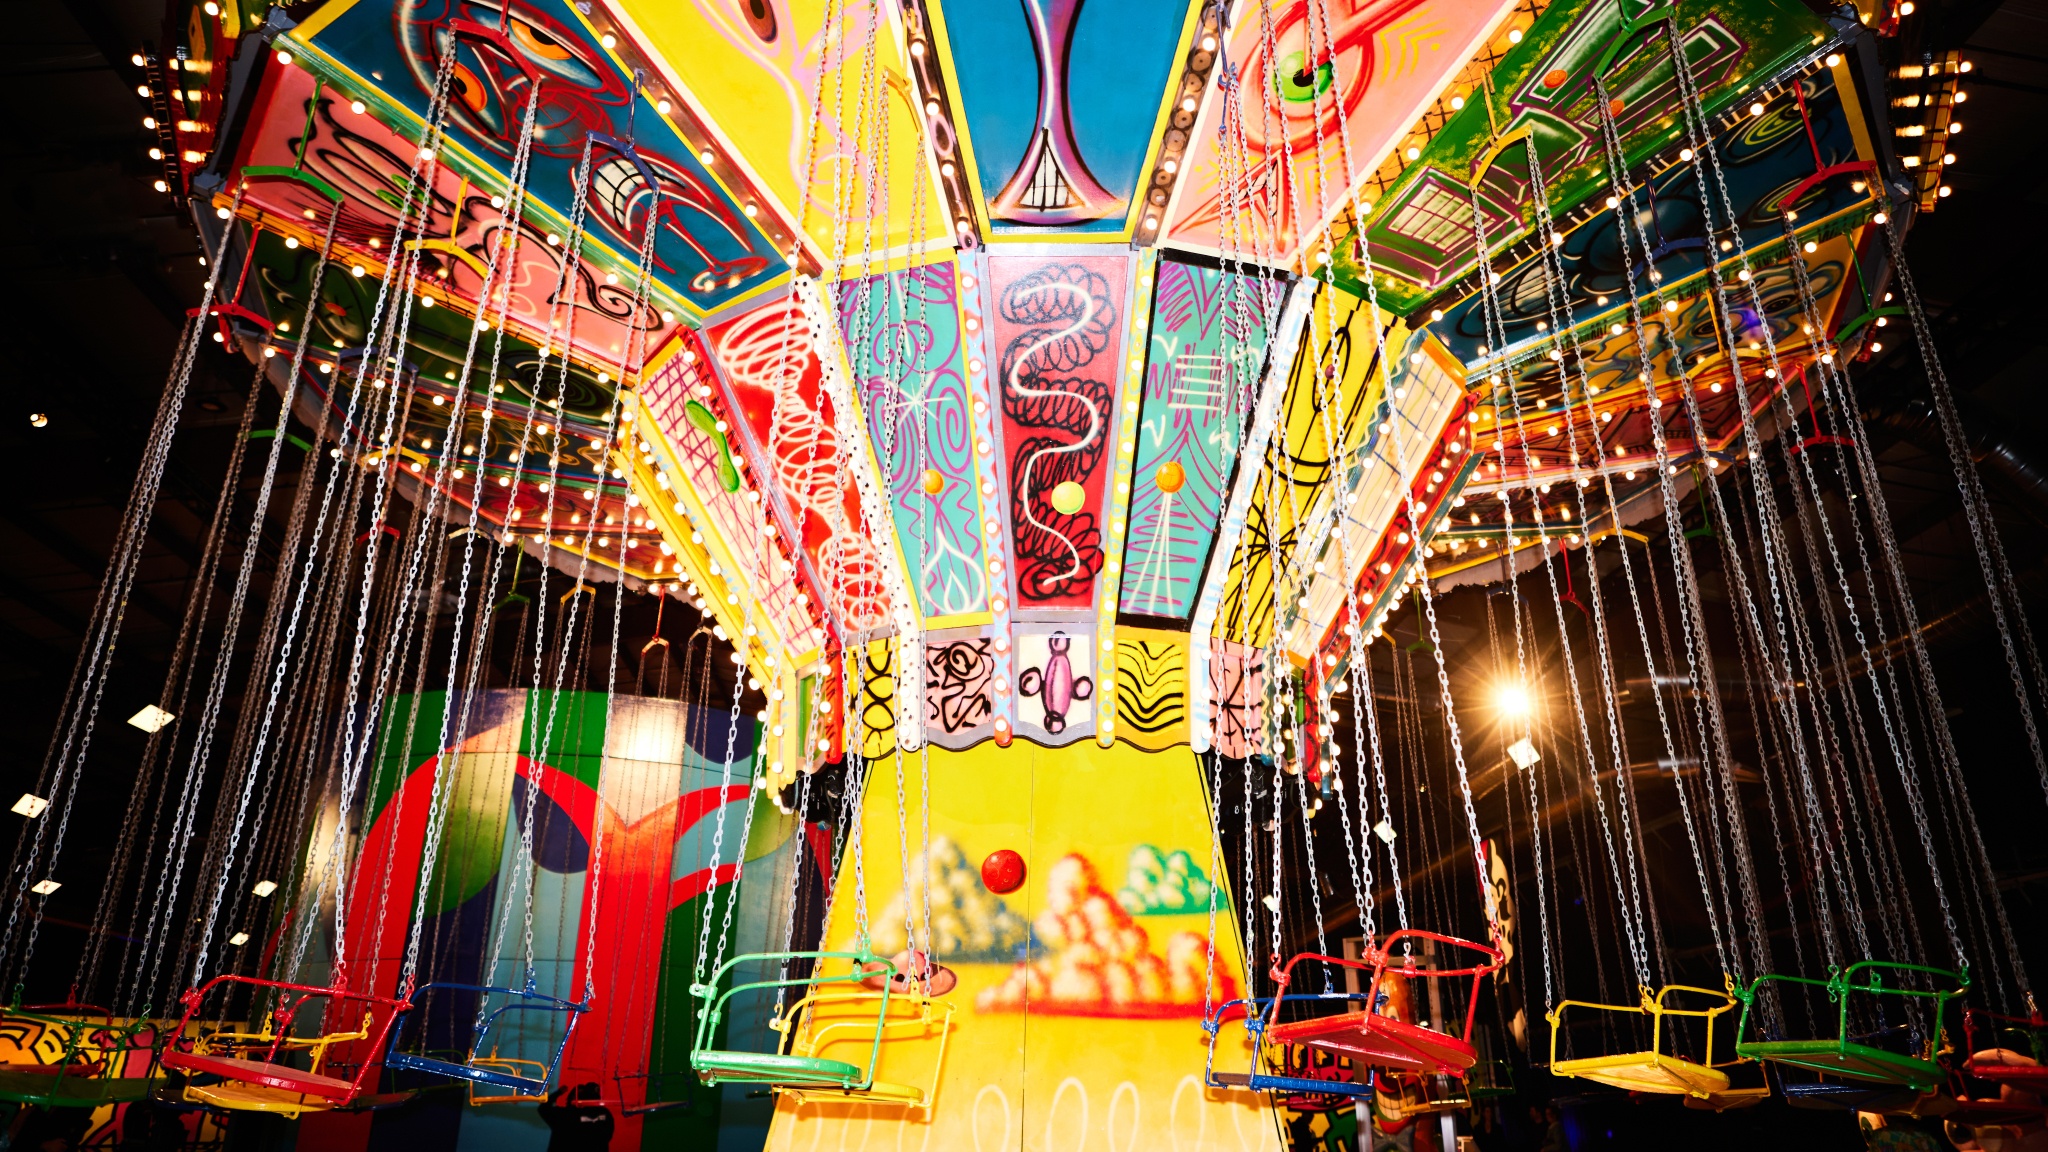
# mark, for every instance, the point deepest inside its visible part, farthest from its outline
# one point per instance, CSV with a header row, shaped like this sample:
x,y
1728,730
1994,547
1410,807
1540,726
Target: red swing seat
x,y
1382,1040
1999,1062
269,1071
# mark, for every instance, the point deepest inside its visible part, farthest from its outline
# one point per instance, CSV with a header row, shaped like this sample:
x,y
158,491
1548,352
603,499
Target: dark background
x,y
97,269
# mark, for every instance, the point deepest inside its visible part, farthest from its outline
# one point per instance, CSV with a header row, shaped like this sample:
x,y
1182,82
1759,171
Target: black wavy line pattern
x,y
1047,302
1151,685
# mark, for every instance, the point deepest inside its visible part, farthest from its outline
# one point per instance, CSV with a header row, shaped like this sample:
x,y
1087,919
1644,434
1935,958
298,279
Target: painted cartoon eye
x,y
536,42
469,89
761,18
1294,81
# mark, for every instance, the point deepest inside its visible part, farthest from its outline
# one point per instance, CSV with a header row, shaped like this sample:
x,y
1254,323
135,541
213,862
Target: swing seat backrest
x,y
264,1066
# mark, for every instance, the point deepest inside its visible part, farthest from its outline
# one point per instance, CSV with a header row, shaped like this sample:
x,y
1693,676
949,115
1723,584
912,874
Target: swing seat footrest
x,y
1380,1042
775,1068
475,1074
243,1097
880,1092
1261,1082
1847,1058
1649,1072
2026,1077
261,1072
1835,1097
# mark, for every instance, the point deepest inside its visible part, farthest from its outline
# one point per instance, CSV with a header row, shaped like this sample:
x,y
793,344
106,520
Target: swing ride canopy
x,y
1084,385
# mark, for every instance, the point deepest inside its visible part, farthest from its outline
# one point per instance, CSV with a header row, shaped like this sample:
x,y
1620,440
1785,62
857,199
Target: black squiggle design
x,y
957,677
1068,324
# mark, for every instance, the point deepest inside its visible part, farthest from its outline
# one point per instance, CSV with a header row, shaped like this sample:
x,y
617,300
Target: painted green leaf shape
x,y
706,421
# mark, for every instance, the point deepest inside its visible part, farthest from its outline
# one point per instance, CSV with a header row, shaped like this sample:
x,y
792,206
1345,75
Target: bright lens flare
x,y
1511,701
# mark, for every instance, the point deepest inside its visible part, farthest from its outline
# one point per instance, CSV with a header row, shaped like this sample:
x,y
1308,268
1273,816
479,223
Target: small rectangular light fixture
x,y
265,887
151,719
1384,831
1524,753
30,805
238,939
45,887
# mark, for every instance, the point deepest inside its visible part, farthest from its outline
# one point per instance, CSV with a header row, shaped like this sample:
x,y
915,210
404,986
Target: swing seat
x,y
823,1019
1379,1040
1654,1071
715,1067
526,1080
792,1069
289,1088
2003,1066
1848,1055
1289,1081
2002,1054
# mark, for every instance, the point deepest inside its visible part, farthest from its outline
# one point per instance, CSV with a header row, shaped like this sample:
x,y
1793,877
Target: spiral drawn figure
x,y
1068,322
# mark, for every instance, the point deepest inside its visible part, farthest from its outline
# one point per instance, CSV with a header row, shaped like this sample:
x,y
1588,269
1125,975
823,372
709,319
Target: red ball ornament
x,y
1003,872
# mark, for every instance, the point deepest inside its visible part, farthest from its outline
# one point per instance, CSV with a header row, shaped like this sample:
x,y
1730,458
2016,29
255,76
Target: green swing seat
x,y
1845,1054
79,1078
719,1065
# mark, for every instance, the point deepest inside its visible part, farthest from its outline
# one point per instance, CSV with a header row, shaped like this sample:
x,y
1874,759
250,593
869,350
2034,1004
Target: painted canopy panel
x,y
368,163
1332,394
758,69
707,249
1391,57
1056,326
704,459
1764,158
903,337
1202,369
1413,449
1420,231
1062,101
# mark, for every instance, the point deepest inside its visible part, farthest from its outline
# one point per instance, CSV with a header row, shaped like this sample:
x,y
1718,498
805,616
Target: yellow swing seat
x,y
1656,1071
824,1019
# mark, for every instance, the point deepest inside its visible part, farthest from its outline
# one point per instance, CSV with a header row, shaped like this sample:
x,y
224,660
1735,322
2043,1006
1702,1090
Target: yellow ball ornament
x,y
934,482
1171,477
1067,497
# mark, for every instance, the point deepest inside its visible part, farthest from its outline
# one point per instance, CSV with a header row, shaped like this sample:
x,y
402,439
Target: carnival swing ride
x,y
1035,501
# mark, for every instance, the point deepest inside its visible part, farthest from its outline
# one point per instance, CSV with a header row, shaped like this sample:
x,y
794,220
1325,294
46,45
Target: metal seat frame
x,y
1844,1056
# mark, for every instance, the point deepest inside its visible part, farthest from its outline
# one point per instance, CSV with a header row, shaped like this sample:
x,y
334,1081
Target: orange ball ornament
x,y
1171,477
934,483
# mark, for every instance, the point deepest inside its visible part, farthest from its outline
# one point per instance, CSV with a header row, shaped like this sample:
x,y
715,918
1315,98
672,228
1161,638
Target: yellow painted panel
x,y
757,81
1093,1043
